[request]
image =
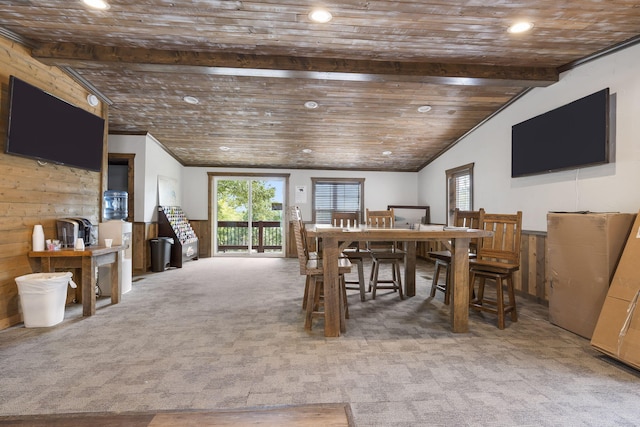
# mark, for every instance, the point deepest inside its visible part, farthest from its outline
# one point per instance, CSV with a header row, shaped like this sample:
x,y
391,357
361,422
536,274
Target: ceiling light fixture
x,y
224,148
191,100
97,4
307,150
520,27
386,153
311,105
320,15
92,100
424,108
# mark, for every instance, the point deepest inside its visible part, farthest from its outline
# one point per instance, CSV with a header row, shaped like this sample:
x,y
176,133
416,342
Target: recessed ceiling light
x,y
307,150
320,15
311,105
386,153
424,108
520,27
191,100
97,4
224,148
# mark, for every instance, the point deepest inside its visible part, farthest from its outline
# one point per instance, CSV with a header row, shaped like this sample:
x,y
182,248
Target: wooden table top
x,y
70,252
423,232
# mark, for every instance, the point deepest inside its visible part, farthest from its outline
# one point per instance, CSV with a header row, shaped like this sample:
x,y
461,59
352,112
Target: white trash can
x,y
43,297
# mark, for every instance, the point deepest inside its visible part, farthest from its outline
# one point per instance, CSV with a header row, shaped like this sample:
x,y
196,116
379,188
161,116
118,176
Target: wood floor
x,y
329,415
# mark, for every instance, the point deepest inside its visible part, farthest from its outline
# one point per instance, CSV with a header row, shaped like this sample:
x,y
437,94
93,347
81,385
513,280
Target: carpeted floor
x,y
227,333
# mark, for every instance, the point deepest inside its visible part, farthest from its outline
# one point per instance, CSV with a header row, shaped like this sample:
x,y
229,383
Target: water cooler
x,y
120,231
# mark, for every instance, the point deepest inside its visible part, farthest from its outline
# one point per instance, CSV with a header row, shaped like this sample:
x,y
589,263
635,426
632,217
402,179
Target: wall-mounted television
x,y
44,127
572,136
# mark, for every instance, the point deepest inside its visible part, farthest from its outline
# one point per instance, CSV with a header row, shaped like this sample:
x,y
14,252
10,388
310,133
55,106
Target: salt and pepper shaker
x,y
37,238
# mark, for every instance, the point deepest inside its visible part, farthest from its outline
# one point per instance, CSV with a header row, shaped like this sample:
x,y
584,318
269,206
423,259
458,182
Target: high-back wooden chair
x,y
497,259
469,219
384,253
312,269
353,252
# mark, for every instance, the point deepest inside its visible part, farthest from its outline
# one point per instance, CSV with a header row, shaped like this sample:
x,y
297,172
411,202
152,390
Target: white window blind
x,y
462,184
335,196
459,189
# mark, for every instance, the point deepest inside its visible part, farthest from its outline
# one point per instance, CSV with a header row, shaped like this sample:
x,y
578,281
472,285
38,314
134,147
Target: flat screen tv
x,y
44,127
569,137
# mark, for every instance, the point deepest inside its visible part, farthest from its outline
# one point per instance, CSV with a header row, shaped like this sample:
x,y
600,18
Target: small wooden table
x,y
335,239
87,261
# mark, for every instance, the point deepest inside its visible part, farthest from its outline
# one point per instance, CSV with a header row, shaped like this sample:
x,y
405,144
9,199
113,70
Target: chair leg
x,y
434,282
343,292
361,287
311,302
512,299
397,278
373,269
307,284
500,302
373,282
447,285
361,279
472,284
436,276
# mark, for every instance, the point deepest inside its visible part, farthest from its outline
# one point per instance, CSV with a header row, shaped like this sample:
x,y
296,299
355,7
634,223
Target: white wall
x,y
151,161
604,188
381,188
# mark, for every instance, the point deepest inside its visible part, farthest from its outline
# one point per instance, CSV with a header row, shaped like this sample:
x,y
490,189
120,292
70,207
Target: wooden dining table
x,y
336,239
87,261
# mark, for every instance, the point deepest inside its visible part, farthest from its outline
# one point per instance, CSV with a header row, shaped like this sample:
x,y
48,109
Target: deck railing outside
x,y
266,236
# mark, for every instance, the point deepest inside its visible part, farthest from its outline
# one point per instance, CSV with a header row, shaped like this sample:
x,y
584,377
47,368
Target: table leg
x,y
331,287
88,286
410,269
459,271
116,285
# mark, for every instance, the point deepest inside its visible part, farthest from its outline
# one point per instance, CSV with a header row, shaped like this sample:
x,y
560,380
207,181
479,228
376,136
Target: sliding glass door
x,y
248,217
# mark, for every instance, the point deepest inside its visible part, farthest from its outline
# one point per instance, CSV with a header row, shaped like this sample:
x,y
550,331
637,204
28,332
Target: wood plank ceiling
x,y
253,64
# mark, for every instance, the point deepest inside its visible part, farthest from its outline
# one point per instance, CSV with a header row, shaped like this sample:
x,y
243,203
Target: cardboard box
x,y
583,250
617,331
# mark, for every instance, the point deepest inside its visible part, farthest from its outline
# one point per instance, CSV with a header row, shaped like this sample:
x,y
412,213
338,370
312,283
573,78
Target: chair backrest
x,y
299,233
469,219
504,245
382,219
345,219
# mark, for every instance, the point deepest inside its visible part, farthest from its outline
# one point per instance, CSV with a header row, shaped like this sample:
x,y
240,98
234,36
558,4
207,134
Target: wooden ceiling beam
x,y
222,63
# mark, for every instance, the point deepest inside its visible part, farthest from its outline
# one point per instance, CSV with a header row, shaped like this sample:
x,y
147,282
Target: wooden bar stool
x,y
353,252
469,219
498,257
384,253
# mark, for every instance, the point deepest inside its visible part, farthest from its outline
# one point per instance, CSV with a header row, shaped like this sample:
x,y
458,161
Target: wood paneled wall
x,y
31,193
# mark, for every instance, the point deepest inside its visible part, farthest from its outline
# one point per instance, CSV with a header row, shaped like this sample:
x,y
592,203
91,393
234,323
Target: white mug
x,y
79,245
108,242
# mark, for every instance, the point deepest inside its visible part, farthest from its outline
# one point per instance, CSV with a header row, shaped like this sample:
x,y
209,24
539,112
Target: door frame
x,y
211,206
128,159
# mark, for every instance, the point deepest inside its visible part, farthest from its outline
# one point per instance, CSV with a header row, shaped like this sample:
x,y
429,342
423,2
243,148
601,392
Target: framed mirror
x,y
407,215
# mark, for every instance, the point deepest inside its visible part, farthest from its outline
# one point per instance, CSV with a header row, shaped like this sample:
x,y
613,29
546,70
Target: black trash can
x,y
160,253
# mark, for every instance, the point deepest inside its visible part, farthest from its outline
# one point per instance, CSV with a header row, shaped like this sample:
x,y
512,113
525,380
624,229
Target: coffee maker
x,y
72,229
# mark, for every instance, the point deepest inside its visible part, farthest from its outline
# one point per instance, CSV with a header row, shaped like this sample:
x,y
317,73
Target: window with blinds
x,y
459,189
336,195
